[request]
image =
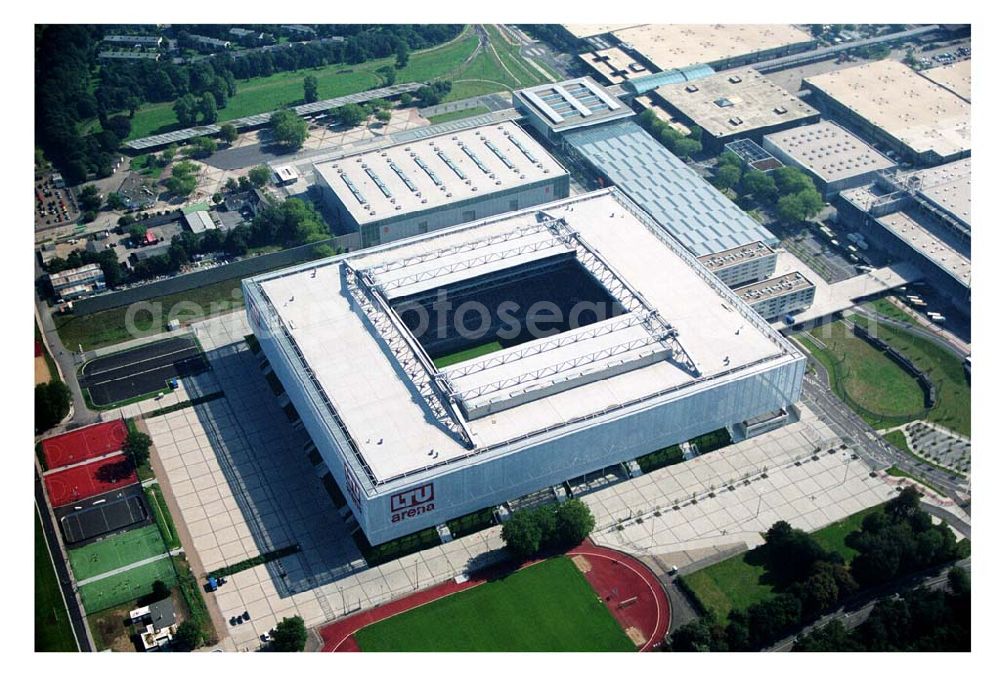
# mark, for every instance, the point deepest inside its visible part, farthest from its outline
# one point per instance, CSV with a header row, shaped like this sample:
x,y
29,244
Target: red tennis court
x,y
79,445
90,479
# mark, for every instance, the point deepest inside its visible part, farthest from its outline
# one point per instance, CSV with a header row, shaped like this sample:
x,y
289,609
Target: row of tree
x,y
917,620
788,190
810,581
548,527
680,145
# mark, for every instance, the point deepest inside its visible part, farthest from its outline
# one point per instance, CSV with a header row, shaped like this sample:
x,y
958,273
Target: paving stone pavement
x,y
244,486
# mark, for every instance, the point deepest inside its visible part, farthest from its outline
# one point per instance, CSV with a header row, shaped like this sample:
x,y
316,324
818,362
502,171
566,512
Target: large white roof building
x,y
413,188
414,444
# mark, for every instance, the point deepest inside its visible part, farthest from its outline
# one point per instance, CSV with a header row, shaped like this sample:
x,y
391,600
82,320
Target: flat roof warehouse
x,y
441,170
829,151
889,95
712,335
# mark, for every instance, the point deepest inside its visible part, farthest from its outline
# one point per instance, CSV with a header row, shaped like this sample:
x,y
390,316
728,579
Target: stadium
x,y
473,365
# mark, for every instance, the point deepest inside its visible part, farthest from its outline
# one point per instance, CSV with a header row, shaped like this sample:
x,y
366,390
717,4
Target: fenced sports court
x,y
91,479
116,552
82,524
84,443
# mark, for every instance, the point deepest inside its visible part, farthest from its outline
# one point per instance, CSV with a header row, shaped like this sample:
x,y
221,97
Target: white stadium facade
x,y
588,337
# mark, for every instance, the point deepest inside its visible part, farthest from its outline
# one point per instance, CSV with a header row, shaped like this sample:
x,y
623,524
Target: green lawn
x,y
52,627
264,94
736,583
126,586
888,309
731,584
547,607
953,408
899,472
108,327
467,354
116,551
871,383
164,520
458,114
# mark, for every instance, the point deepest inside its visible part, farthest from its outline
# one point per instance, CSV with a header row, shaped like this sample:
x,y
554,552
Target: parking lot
x,y
53,206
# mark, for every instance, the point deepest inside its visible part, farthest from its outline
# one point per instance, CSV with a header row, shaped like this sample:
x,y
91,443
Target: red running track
x,y
616,577
90,479
79,445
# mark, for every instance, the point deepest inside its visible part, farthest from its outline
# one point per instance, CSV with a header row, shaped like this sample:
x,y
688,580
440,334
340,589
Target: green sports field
x,y
126,586
546,607
467,354
115,552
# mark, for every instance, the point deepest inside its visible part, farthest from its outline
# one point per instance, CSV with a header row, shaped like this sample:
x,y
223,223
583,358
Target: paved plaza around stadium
x,y
244,485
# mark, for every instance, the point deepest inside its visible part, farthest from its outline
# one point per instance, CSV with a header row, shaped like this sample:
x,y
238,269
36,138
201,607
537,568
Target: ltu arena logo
x,y
412,502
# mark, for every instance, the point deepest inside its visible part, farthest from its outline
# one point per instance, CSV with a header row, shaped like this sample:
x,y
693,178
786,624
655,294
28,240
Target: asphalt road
x,y
76,617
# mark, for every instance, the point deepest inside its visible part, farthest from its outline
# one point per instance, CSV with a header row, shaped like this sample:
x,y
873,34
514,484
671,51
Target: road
x,y
854,616
878,453
76,616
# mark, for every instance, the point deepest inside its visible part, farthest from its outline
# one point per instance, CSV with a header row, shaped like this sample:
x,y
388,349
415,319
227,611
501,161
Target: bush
x,y
188,637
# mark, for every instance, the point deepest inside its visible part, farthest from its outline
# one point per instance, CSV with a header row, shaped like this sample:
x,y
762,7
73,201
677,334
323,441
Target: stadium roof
x,y
430,173
956,77
684,330
829,151
686,205
736,102
669,46
181,135
572,103
891,96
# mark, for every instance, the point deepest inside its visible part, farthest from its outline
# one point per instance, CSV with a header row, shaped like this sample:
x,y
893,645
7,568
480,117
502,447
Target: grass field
x,y
116,551
126,586
467,354
108,327
52,628
264,94
458,114
953,408
888,309
875,386
897,439
736,583
547,607
164,521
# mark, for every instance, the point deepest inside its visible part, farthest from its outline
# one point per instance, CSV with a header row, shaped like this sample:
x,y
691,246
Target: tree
x,y
209,109
574,522
289,635
120,126
137,447
790,209
791,180
402,54
693,636
388,75
350,115
726,177
115,202
231,185
168,154
383,116
311,87
188,636
90,198
522,534
406,98
685,147
52,402
228,132
760,186
217,198
186,109
201,146
259,175
289,129
731,159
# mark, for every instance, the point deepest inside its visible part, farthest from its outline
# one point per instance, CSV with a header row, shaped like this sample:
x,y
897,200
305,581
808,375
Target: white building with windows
x,y
424,412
